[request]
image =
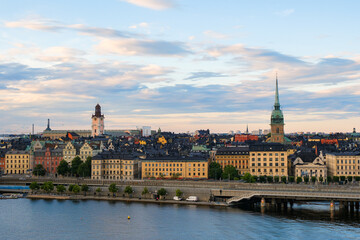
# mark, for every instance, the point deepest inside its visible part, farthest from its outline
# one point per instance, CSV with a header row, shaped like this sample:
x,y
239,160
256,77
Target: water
x,y
56,219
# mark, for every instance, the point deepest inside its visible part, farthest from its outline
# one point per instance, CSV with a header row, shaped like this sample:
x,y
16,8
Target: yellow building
x,y
17,162
343,164
70,151
174,167
235,156
269,160
114,166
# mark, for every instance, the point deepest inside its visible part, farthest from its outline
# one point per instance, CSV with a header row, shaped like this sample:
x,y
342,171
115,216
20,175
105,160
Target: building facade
x,y
277,120
269,160
235,156
97,126
70,151
343,164
49,158
17,162
114,166
174,167
317,168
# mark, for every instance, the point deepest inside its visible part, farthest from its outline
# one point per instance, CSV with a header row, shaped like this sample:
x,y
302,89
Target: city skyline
x,y
177,65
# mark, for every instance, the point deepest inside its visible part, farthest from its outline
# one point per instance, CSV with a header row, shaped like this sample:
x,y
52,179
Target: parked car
x,y
176,198
192,199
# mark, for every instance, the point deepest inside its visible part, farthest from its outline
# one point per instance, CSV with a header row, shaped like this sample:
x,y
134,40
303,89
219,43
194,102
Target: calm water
x,y
54,219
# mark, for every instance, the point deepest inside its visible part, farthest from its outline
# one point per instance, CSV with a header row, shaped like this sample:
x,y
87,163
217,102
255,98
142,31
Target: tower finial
x,y
247,128
277,102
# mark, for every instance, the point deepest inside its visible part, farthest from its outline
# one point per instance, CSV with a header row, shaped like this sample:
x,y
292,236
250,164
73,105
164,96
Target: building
x,y
97,126
58,134
70,151
17,162
269,159
277,120
114,166
174,167
245,137
235,156
49,158
2,161
343,164
317,168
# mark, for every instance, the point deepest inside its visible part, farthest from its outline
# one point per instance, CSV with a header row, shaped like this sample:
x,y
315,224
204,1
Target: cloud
x,y
196,75
35,24
153,4
285,12
140,25
213,34
131,47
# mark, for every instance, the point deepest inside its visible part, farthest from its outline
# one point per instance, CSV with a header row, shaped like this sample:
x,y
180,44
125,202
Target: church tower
x,y
97,127
277,120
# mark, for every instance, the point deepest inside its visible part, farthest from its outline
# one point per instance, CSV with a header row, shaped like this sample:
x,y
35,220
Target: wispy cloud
x,y
213,34
196,75
285,12
153,4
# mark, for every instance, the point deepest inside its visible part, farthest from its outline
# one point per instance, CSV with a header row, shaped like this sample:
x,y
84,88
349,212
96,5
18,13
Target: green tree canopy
x,y
76,189
83,170
75,163
34,186
113,188
215,171
60,188
145,191
48,186
249,178
276,179
230,171
291,179
63,168
162,192
84,188
98,190
128,190
39,170
178,193
298,179
71,186
283,179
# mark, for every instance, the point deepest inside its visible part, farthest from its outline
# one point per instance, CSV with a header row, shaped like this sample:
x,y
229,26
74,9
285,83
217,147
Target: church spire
x,y
277,102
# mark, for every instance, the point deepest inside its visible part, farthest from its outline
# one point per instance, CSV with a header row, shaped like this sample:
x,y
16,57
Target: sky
x,y
180,65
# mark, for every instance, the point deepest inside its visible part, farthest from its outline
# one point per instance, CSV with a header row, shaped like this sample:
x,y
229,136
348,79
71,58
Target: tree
x,y
230,171
88,165
262,179
175,176
270,179
329,179
161,176
162,192
342,178
63,168
76,189
128,190
313,179
98,190
276,179
83,170
335,179
291,179
178,193
357,178
298,179
84,188
75,163
306,179
283,179
321,179
60,188
71,186
34,186
48,186
247,177
350,178
215,171
113,189
39,170
145,191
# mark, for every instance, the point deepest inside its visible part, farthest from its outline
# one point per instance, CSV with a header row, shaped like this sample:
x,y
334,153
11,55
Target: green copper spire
x,y
277,102
277,115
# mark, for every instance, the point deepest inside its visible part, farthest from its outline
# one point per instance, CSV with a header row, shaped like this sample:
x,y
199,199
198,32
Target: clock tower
x,y
277,120
97,127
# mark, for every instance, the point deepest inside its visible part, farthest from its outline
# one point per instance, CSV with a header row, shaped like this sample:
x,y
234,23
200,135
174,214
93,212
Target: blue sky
x,y
179,65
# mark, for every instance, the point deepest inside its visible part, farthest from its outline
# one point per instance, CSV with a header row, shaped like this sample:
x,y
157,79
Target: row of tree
x,y
49,187
230,172
77,167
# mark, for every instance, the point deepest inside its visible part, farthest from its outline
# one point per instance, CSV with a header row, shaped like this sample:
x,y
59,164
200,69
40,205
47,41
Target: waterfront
x,y
57,219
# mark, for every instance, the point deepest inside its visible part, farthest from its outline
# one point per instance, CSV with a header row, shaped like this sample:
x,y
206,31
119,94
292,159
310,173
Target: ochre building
x,y
235,156
17,162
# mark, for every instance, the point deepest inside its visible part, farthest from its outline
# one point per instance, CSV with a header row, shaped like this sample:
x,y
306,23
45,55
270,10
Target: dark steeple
x,y
98,111
277,115
48,126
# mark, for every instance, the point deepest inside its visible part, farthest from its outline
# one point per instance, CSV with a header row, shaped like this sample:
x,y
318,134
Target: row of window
x,y
346,161
112,172
172,165
265,164
265,154
17,166
111,166
346,167
15,156
265,159
11,161
264,170
167,174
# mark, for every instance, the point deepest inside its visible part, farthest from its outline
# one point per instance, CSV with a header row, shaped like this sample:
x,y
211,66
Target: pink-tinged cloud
x,y
153,4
